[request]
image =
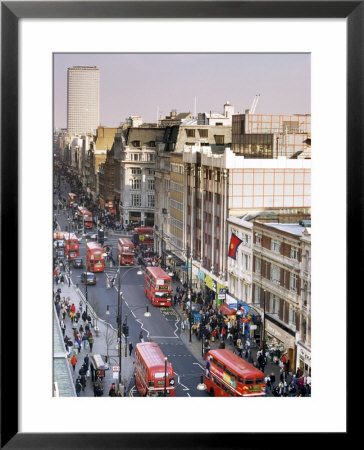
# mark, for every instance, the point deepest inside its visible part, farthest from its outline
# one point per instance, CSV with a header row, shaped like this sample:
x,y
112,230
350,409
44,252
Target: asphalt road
x,y
163,326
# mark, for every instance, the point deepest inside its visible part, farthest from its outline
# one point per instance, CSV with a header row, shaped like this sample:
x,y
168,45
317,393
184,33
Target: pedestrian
x,y
90,341
130,348
62,279
83,382
70,345
78,387
63,326
79,343
141,336
58,309
63,311
73,362
112,392
267,383
80,305
72,312
272,381
124,391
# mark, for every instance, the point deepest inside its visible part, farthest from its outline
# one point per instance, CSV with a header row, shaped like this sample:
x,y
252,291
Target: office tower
x,y
83,85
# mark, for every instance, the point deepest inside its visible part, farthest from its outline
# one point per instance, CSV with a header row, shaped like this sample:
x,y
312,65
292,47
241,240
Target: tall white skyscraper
x,y
83,86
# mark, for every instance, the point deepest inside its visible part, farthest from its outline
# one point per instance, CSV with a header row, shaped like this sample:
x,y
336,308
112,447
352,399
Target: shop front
x,y
303,359
214,291
248,317
280,341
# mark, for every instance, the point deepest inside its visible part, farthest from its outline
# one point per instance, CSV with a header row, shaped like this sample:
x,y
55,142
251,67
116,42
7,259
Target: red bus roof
x,y
83,210
158,272
94,246
125,241
153,356
229,359
69,236
141,230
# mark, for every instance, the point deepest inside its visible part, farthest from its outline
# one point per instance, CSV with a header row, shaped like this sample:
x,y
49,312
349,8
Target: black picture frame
x,y
11,12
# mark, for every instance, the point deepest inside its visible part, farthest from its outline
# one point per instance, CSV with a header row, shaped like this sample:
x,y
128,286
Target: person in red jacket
x,y
72,311
73,362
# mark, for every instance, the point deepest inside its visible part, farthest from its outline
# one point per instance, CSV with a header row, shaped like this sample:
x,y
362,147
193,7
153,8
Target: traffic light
x,y
125,330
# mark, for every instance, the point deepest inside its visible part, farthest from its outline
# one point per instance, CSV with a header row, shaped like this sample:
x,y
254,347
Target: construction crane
x,y
254,104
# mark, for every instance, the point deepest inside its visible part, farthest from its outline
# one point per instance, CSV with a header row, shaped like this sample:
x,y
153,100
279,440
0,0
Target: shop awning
x,y
177,260
224,308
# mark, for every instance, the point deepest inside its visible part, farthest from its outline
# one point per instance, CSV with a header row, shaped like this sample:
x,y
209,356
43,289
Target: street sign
x,y
115,371
221,296
222,291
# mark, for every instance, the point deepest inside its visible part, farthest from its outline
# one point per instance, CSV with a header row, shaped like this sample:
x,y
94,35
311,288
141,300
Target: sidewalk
x,y
105,337
195,346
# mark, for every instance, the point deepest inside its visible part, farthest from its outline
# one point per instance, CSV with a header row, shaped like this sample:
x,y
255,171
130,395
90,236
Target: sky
x,y
143,84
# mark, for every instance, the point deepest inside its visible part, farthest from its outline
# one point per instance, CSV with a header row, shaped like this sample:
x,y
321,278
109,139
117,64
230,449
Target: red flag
x,y
234,244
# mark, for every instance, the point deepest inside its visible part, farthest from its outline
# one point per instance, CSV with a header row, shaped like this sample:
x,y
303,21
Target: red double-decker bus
x,y
72,246
72,198
84,216
125,252
228,375
154,375
143,235
94,259
158,286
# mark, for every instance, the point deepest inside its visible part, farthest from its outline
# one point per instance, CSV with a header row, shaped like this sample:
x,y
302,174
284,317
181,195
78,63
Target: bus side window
x,y
240,380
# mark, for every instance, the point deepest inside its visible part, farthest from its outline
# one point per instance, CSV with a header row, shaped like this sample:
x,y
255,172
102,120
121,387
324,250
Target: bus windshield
x,y
162,294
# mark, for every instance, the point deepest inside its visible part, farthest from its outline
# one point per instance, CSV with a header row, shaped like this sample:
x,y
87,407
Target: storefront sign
x,y
200,275
221,297
213,284
279,334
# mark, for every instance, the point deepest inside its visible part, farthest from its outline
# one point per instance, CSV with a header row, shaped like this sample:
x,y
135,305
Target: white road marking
x,y
199,365
179,382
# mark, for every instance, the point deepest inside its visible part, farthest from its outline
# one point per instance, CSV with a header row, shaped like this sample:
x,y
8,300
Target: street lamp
x,y
263,337
165,376
201,385
139,272
86,279
125,324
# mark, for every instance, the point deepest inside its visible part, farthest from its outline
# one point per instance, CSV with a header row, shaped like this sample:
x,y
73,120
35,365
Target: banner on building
x,y
234,244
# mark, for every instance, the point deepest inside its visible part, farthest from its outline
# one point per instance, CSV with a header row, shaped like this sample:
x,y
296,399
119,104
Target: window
x,y
258,238
292,315
190,133
258,266
136,200
275,274
150,157
136,171
203,133
136,156
274,304
152,144
219,139
294,253
149,171
136,143
293,282
150,185
135,184
275,246
257,294
150,201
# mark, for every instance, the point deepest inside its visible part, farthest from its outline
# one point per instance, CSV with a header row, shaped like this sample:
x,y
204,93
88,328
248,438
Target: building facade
x,y
272,136
83,86
277,285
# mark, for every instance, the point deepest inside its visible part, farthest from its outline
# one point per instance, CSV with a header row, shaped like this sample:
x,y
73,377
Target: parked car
x,y
91,278
78,262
